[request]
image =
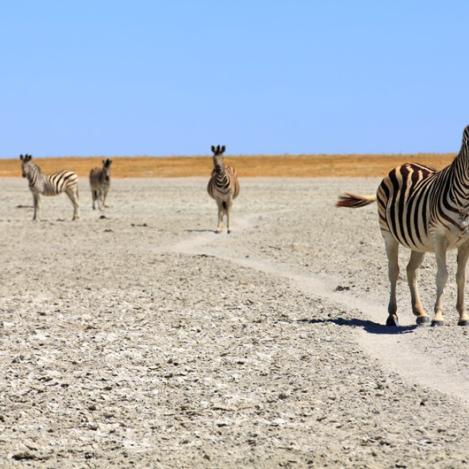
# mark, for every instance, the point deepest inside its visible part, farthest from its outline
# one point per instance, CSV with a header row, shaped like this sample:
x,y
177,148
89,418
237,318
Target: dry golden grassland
x,y
247,166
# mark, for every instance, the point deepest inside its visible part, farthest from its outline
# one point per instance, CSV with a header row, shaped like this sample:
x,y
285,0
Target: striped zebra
x,y
426,211
51,184
223,186
100,181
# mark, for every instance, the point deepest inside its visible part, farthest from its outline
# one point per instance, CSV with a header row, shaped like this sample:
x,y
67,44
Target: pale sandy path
x,y
393,347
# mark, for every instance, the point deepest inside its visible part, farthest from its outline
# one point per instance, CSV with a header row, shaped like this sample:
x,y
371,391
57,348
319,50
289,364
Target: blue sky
x,y
171,77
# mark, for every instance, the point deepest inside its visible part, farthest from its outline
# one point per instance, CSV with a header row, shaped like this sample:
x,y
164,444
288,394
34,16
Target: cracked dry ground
x,y
116,350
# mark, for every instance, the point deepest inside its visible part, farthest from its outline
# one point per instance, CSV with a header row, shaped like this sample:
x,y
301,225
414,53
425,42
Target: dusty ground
x,y
145,340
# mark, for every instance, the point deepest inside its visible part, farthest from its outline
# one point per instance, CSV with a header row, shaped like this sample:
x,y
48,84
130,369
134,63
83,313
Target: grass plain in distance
x,y
354,165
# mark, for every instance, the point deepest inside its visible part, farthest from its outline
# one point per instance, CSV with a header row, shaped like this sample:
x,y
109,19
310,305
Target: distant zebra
x,y
223,186
52,184
427,211
100,181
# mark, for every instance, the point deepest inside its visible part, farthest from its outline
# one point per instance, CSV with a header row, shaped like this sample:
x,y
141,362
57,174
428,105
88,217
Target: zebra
x,y
52,184
223,186
427,211
100,181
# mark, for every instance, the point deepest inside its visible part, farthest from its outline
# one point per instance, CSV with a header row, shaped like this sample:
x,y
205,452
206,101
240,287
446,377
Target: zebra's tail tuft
x,y
354,201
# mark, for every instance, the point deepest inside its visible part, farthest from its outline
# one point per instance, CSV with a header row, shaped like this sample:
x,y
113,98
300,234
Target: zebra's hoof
x,y
229,231
437,323
463,322
421,320
392,321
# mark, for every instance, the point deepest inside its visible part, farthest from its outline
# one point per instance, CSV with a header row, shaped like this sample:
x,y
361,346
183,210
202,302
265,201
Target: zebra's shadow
x,y
369,326
199,230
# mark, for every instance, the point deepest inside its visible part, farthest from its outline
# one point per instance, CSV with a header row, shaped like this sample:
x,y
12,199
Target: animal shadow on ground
x,y
195,230
369,326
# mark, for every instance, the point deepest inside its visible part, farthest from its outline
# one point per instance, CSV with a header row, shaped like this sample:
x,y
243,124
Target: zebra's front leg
x,y
415,261
392,251
228,213
105,197
94,197
36,203
220,216
463,255
440,245
100,198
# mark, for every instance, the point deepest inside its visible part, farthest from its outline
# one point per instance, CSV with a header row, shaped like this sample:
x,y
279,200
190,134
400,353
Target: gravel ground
x,y
143,339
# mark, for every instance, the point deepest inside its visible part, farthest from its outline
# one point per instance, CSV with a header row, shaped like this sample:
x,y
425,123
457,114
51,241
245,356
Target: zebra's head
x,y
26,165
218,161
107,169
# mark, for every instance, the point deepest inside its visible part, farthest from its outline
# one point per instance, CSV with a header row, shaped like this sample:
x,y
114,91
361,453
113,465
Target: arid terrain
x,y
140,338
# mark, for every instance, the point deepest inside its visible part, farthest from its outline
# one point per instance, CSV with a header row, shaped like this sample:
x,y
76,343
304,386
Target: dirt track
x,y
144,339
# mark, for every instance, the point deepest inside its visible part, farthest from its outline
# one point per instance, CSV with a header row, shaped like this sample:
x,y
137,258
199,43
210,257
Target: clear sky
x,y
169,77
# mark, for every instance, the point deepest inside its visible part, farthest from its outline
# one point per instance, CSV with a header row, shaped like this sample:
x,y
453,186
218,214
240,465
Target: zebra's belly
x,y
417,241
455,237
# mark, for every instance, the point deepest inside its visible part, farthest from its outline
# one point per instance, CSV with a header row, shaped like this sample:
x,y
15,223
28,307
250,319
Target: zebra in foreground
x,y
223,186
427,211
52,184
100,181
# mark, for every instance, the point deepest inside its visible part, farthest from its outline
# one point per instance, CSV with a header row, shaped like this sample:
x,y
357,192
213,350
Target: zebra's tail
x,y
354,201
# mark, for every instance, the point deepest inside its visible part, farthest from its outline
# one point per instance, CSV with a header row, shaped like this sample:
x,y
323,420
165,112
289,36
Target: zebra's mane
x,y
36,167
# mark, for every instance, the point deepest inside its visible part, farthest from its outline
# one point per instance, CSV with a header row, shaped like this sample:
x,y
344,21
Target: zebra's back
x,y
405,197
60,181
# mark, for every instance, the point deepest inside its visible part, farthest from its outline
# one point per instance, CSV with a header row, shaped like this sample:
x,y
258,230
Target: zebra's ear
x,y
21,157
30,157
214,150
223,149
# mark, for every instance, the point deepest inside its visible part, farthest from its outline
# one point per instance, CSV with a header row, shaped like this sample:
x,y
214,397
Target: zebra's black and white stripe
x,y
427,211
100,182
223,186
52,184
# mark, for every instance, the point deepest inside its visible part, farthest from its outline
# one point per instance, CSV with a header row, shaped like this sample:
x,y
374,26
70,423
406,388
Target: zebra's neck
x,y
221,174
36,178
459,176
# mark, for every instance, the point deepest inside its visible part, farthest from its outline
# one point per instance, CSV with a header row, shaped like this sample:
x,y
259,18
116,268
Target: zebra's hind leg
x,y
415,261
440,245
392,252
73,196
463,255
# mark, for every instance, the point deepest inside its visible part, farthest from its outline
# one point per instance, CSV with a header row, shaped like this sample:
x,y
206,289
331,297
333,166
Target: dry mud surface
x,y
143,339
